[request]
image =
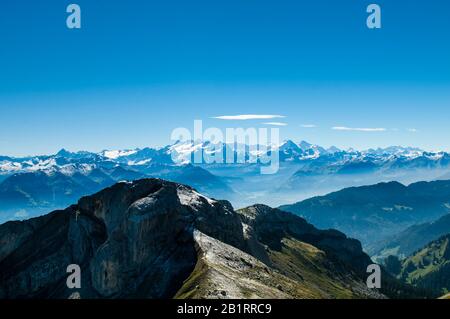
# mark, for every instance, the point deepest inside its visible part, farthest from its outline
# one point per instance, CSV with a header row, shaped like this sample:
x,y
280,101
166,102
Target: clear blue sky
x,y
138,69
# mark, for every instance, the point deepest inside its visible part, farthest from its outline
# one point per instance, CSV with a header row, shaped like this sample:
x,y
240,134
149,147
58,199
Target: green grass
x,y
192,286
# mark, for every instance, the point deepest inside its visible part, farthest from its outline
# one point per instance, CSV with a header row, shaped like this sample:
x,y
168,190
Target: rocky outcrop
x,y
156,239
133,239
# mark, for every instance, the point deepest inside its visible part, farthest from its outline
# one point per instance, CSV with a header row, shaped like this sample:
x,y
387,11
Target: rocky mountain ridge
x,y
157,239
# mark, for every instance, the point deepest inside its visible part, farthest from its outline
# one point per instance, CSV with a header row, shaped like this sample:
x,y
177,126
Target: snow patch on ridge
x,y
118,153
10,166
189,197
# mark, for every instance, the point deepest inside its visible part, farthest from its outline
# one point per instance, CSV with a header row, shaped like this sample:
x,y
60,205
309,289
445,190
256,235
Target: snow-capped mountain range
x,y
181,154
34,185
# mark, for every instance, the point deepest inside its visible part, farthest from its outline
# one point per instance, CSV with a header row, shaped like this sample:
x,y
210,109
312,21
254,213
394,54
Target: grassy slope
x,y
299,270
430,266
311,269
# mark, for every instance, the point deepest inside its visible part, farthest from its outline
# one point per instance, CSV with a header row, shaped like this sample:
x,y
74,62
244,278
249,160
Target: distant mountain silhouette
x,y
411,239
372,213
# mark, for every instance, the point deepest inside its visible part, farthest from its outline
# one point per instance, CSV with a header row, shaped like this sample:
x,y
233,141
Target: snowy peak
x,y
397,151
288,144
304,145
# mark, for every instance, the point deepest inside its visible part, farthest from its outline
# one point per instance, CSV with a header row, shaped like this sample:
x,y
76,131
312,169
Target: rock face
x,y
156,239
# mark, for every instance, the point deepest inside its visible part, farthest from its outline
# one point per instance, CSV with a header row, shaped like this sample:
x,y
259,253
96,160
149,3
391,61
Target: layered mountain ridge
x,y
157,239
183,152
372,213
410,240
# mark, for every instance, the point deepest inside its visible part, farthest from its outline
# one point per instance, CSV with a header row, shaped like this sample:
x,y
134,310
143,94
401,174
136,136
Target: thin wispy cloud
x,y
413,130
308,125
276,123
243,117
359,129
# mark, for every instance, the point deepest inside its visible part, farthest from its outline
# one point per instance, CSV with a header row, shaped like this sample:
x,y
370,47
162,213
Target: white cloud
x,y
248,117
276,123
359,129
413,130
308,125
